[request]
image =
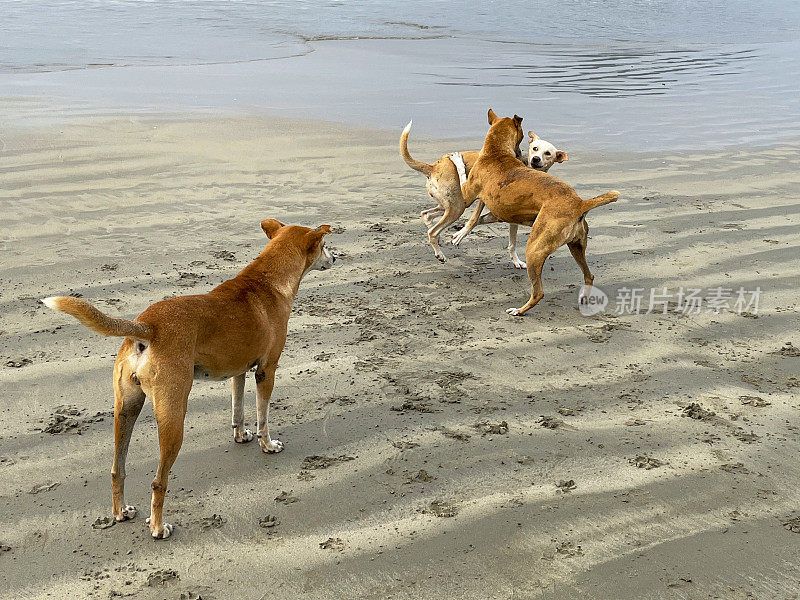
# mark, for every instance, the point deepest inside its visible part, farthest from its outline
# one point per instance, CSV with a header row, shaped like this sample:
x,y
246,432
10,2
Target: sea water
x,y
619,74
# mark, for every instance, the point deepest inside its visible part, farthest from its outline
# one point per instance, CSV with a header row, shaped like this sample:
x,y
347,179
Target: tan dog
x,y
444,187
541,156
239,325
518,195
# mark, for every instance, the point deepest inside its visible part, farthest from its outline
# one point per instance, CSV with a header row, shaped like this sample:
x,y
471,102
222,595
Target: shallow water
x,y
619,74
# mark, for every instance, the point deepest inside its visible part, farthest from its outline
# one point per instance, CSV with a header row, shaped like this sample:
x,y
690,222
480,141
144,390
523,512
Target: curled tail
x,y
96,320
422,167
607,198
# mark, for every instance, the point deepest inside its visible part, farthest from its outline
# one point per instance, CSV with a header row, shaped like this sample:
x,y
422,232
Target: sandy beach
x,y
435,446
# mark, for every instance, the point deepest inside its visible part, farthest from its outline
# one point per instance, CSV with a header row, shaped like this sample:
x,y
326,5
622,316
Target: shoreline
x,y
406,365
50,115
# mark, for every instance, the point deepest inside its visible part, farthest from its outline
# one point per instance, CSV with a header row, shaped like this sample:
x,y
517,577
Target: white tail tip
x,y
51,302
408,127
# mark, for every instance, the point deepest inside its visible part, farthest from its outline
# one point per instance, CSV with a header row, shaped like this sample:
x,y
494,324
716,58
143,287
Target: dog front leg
x,y
512,246
265,381
473,221
240,434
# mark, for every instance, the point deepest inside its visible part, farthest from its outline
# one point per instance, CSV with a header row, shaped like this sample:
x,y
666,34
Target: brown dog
x,y
239,325
516,194
443,186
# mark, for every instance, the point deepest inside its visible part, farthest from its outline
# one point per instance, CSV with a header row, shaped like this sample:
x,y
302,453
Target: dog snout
x,y
536,159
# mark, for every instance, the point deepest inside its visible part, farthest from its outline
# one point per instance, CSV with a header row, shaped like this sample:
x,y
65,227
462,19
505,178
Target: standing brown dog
x,y
239,325
515,194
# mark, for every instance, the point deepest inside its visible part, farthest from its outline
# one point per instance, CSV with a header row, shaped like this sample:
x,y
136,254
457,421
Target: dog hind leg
x,y
128,401
430,215
543,241
169,404
448,218
577,248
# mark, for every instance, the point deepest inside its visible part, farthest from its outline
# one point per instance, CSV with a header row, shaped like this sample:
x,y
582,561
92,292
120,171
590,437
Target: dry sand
x,y
409,367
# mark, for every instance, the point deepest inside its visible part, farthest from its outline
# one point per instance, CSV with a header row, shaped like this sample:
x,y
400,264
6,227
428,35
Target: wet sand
x,y
472,454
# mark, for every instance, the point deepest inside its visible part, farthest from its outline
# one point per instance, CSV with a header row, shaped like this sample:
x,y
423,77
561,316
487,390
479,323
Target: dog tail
x,y
417,165
96,320
607,198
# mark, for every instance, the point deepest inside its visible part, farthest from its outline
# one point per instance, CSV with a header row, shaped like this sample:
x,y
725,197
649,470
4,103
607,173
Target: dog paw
x,y
242,437
518,263
514,312
441,257
166,530
272,446
457,237
126,514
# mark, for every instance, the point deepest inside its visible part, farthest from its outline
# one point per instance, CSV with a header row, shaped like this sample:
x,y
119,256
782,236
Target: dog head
x,y
311,241
508,130
542,154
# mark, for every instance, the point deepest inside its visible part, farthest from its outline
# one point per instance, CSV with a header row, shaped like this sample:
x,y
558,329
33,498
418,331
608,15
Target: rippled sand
x,y
408,366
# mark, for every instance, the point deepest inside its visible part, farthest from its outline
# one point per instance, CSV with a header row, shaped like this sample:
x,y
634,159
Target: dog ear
x,y
492,117
561,156
517,120
532,135
271,227
315,235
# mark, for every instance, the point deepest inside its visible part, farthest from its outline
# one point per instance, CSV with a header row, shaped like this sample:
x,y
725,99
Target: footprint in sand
x,y
18,363
550,422
215,521
404,445
697,412
737,468
792,525
567,485
162,577
44,487
68,419
421,476
315,463
452,434
646,462
331,543
565,549
487,428
104,523
268,522
755,401
788,349
442,509
286,498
